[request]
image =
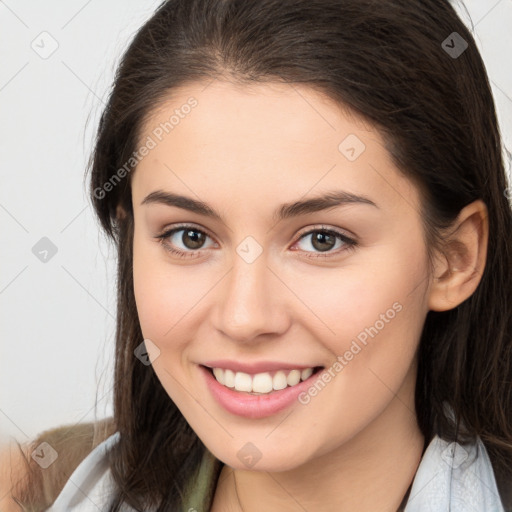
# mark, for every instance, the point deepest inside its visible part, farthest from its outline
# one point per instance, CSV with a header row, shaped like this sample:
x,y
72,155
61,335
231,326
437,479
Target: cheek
x,y
376,310
168,297
376,299
155,290
164,298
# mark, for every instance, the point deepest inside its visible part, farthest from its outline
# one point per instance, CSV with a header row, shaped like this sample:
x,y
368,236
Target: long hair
x,y
388,62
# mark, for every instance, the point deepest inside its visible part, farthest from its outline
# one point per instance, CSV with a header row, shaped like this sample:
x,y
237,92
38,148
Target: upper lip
x,y
256,367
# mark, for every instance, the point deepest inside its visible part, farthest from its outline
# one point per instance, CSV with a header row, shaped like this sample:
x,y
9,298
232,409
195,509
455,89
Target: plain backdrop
x,y
57,316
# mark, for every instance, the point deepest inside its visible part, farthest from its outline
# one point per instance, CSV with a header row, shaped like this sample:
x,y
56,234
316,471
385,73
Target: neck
x,y
372,471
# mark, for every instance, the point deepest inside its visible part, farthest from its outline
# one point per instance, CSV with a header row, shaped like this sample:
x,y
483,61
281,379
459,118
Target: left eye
x,y
324,240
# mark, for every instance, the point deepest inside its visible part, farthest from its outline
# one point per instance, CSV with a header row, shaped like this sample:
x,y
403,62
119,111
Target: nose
x,y
252,302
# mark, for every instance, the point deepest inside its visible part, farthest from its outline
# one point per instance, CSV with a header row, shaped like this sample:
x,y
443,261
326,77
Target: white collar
x,y
453,477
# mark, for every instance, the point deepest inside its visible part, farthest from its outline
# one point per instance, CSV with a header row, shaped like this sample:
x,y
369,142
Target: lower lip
x,y
255,406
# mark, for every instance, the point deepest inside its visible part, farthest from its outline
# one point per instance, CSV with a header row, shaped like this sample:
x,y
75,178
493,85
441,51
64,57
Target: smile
x,y
262,383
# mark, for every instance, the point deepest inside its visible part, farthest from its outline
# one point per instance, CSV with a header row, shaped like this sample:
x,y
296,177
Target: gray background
x,y
57,317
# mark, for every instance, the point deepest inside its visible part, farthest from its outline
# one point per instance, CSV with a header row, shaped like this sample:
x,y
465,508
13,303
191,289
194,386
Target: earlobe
x,y
459,270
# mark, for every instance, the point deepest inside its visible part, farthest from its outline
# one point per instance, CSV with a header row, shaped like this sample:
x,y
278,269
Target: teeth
x,y
219,375
243,382
279,381
293,377
261,383
305,374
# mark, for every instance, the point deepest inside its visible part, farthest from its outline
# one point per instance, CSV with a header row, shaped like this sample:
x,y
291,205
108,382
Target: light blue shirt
x,y
450,478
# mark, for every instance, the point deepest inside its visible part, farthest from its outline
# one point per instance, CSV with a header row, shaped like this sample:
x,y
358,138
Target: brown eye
x,y
192,238
324,240
190,241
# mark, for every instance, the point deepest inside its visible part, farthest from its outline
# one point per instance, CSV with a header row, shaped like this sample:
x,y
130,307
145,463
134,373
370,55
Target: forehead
x,y
267,141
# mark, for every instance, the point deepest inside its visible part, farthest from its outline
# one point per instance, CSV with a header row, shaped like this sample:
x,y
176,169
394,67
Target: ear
x,y
457,272
120,212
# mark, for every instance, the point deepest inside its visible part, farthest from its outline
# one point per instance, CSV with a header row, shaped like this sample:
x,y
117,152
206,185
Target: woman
x,y
314,294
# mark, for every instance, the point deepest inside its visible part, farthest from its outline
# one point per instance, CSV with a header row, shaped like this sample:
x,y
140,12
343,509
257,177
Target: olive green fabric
x,y
196,493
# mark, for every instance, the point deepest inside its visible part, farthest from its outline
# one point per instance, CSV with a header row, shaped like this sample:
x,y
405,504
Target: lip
x,y
254,368
255,406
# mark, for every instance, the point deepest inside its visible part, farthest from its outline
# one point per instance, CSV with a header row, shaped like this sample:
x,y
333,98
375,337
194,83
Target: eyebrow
x,y
325,201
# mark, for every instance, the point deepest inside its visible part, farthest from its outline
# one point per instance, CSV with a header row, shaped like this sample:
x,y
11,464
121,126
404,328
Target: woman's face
x,y
264,282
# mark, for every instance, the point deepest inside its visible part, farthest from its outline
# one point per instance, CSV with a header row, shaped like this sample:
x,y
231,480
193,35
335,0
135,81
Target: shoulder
x,y
90,487
39,469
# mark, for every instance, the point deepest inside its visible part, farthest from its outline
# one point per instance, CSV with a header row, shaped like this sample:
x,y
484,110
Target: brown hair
x,y
385,61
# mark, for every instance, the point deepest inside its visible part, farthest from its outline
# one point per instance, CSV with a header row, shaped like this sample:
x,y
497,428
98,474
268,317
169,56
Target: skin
x,y
12,472
245,151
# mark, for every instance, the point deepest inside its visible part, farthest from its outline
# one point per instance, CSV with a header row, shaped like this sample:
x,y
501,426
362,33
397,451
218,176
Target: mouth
x,y
264,383
253,395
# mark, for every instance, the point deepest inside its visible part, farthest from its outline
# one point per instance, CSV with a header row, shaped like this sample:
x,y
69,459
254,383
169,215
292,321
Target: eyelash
x,y
349,242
